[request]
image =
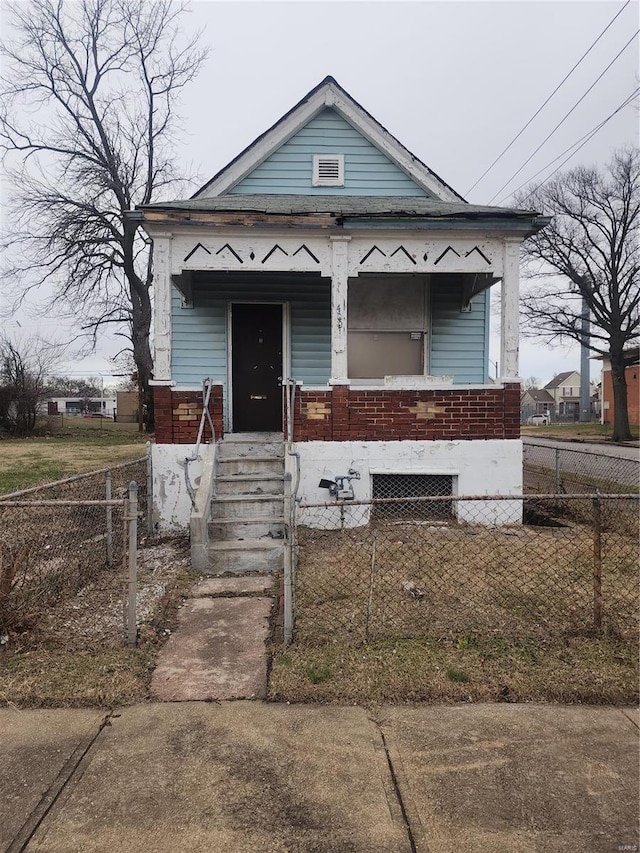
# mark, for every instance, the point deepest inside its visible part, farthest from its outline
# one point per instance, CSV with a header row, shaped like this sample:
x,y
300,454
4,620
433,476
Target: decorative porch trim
x,y
314,252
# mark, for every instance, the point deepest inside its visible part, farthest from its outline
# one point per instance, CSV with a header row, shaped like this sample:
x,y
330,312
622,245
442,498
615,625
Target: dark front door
x,y
256,367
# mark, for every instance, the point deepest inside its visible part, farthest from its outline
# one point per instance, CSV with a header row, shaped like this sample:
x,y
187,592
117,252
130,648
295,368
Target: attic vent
x,y
328,170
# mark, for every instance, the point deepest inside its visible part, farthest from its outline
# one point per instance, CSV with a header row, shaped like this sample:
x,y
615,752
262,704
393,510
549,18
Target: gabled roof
x,y
561,378
539,395
329,94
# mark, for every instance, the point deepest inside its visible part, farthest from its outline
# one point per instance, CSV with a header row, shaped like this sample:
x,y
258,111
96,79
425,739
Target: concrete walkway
x,y
218,648
237,777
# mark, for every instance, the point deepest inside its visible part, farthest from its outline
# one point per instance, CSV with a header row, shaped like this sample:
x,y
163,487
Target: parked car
x,y
539,420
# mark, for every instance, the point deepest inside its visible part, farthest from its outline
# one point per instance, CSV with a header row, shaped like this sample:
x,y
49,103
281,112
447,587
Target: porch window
x,y
386,327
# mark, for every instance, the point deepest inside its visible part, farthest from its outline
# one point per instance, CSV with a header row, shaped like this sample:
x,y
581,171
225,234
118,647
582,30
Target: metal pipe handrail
x,y
206,415
290,385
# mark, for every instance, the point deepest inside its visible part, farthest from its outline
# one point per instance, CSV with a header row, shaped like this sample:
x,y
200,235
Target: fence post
x,y
132,627
149,491
597,562
288,561
371,585
558,477
107,492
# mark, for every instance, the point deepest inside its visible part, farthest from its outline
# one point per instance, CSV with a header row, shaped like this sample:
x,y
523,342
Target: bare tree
x,y
532,383
592,245
66,386
87,125
25,366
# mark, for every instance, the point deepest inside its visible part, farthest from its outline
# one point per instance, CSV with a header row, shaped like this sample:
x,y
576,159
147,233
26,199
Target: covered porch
x,y
383,330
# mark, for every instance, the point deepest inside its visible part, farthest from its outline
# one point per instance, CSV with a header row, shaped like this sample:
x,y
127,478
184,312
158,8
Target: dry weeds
x,y
75,655
471,669
412,581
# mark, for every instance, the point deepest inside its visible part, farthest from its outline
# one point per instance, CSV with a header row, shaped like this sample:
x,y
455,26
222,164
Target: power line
x,y
537,113
565,117
583,139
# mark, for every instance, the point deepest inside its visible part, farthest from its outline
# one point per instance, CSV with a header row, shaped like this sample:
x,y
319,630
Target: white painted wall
x,y
171,501
479,468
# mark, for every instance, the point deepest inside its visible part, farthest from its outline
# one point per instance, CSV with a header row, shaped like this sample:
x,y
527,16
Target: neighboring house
x,y
632,376
536,401
81,406
564,390
327,254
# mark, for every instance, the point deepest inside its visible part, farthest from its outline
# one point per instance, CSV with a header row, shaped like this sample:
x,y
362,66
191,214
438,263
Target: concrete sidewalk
x,y
251,776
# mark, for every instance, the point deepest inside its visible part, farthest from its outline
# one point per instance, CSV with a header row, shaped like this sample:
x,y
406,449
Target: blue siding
x,y
199,337
458,341
368,171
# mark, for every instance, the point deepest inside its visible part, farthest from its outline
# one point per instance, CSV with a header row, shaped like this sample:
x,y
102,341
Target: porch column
x,y
162,308
510,298
339,286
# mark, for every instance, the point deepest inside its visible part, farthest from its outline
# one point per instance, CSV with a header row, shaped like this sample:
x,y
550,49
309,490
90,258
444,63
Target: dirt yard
x,y
75,656
414,581
397,612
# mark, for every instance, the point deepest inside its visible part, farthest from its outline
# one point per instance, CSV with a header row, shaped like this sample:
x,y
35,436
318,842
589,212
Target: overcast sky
x,y
453,81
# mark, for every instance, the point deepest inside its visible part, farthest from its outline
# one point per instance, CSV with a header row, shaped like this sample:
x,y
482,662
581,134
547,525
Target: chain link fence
x,y
558,470
446,567
65,544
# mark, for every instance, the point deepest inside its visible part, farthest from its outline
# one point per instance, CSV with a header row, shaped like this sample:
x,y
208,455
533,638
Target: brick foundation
x,y
178,413
348,414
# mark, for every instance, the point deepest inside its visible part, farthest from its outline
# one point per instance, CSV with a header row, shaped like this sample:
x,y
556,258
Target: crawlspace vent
x,y
413,486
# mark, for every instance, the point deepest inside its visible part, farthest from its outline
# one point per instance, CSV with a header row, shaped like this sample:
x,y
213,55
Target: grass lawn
x,y
84,444
585,670
588,431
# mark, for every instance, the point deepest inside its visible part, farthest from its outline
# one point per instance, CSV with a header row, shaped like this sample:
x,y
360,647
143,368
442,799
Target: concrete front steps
x,y
246,529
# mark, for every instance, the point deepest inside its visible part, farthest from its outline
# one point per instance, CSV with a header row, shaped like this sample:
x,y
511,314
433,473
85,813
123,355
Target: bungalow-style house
x,y
565,391
335,292
536,401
